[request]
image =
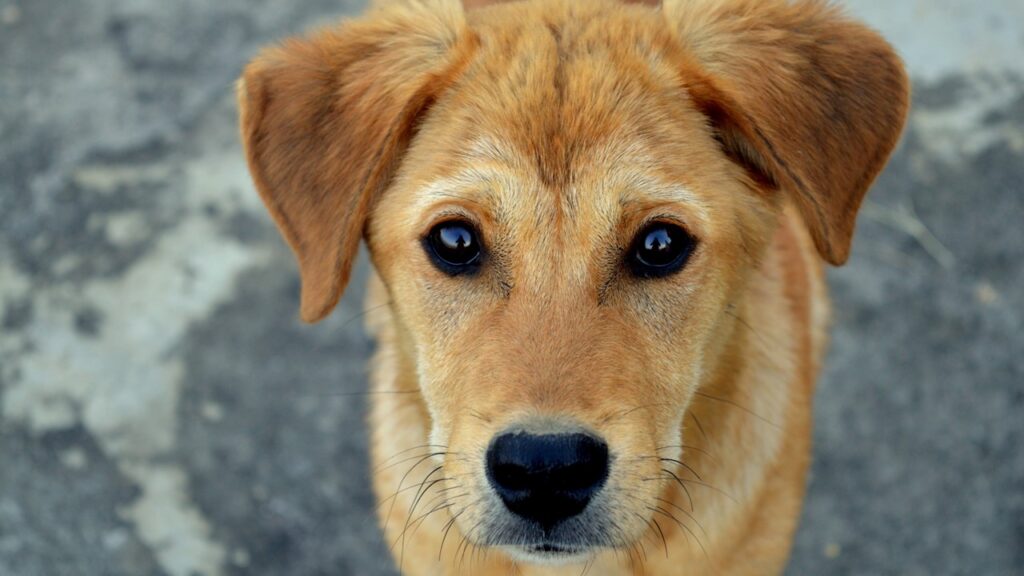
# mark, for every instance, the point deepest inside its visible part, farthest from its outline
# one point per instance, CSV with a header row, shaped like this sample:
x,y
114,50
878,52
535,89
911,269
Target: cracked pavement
x,y
163,411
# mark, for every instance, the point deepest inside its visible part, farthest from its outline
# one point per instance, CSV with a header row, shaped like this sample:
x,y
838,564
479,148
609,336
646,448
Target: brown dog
x,y
596,230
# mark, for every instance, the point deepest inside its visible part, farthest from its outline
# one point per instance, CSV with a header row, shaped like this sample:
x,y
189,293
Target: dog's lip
x,y
554,550
549,553
548,548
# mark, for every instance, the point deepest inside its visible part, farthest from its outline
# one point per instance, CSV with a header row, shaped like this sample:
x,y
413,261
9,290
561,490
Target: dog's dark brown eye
x,y
454,247
660,249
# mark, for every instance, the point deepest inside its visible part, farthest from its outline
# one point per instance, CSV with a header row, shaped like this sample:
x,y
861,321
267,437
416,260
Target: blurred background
x,y
163,412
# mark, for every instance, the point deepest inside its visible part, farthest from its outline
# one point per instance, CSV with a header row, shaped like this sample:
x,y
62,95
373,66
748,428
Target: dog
x,y
598,232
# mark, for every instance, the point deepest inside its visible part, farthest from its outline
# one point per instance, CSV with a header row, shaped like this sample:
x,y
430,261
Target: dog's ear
x,y
805,99
325,119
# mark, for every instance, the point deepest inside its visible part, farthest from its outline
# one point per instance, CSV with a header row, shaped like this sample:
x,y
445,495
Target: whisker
x,y
466,543
417,523
393,495
699,427
628,411
408,459
659,510
335,330
419,495
763,341
661,533
413,487
586,567
684,511
681,485
618,541
695,482
391,508
643,563
448,527
689,447
432,483
440,495
478,416
412,510
738,406
361,314
400,452
683,464
639,559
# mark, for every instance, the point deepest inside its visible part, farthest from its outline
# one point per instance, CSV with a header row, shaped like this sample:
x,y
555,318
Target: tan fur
x,y
559,128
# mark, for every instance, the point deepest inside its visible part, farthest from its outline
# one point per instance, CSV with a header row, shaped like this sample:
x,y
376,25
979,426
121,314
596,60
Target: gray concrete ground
x,y
163,412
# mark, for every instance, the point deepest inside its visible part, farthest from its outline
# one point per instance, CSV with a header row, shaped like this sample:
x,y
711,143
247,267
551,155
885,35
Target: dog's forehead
x,y
557,82
618,177
578,110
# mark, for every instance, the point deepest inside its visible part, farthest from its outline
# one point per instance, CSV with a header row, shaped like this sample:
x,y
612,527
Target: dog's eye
x,y
454,247
660,249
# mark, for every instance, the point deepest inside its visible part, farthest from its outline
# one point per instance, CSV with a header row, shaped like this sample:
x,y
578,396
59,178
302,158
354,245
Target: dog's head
x,y
563,199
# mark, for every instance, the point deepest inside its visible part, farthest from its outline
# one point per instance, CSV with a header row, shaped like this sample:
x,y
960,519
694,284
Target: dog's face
x,y
563,203
560,248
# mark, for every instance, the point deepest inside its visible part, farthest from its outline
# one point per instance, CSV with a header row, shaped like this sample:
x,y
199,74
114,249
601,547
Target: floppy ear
x,y
805,99
325,119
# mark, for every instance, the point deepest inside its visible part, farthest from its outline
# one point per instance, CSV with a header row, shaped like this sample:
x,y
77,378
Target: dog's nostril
x,y
547,478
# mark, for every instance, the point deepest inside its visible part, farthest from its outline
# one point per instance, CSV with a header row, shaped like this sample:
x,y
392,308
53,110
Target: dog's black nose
x,y
547,478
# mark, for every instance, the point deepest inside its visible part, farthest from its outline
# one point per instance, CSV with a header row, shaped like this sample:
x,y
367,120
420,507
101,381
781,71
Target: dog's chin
x,y
548,554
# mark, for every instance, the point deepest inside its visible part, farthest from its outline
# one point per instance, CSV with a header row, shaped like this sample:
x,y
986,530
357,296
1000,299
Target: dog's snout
x,y
547,478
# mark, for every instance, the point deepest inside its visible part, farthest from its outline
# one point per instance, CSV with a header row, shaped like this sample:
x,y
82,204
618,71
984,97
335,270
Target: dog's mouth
x,y
550,553
555,549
